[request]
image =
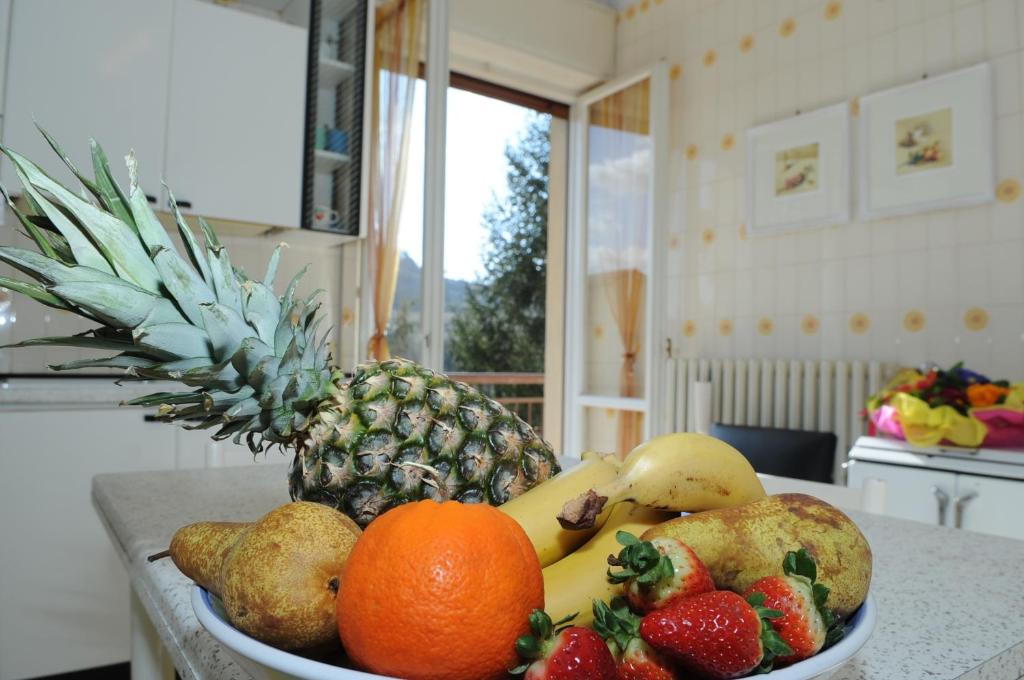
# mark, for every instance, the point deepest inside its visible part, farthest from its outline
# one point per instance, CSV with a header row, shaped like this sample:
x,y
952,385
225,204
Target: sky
x,y
478,130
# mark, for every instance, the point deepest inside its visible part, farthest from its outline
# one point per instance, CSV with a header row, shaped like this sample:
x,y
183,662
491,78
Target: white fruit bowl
x,y
264,662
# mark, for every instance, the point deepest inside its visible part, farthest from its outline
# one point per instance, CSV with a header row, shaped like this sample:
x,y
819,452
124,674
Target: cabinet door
x,y
237,114
995,507
88,68
5,34
63,590
909,493
195,449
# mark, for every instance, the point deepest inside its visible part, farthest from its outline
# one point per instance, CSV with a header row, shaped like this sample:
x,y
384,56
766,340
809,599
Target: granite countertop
x,y
949,602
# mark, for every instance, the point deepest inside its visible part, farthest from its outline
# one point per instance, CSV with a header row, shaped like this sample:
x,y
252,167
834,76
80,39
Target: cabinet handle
x,y
180,203
943,500
150,198
958,508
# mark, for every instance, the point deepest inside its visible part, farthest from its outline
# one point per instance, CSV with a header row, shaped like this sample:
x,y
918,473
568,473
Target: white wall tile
x,y
968,34
938,47
1006,83
1000,27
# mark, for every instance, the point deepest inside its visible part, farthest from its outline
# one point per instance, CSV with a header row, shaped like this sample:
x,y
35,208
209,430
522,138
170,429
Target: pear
x,y
277,577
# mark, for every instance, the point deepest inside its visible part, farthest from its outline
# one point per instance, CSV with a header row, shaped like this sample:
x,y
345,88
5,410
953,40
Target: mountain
x,y
410,281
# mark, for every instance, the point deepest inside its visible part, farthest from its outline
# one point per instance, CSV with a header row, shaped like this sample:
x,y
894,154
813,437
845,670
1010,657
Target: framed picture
x,y
798,172
928,145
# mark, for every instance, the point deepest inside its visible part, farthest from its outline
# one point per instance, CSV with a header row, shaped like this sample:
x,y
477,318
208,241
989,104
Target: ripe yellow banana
x,y
685,472
535,510
574,582
610,458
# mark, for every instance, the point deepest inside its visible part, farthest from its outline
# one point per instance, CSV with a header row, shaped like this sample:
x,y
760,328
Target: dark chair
x,y
785,453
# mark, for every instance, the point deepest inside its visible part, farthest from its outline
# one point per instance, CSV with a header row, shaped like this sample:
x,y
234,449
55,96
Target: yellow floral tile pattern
x,y
855,107
746,43
630,12
347,315
675,71
741,231
691,152
725,328
645,5
728,142
976,319
690,328
787,27
673,242
707,236
914,321
765,326
598,331
860,323
810,324
1008,190
833,10
710,57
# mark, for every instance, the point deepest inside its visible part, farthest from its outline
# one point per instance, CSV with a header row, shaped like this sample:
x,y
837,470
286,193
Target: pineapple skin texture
x,y
399,432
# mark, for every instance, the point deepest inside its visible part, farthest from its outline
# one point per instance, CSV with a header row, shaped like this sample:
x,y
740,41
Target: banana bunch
x,y
573,517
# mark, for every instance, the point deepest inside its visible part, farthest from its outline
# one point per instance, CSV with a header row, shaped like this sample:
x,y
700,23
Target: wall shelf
x,y
328,161
332,72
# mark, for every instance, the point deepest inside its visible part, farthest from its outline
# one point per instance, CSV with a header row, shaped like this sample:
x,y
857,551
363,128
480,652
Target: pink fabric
x,y
1005,427
887,420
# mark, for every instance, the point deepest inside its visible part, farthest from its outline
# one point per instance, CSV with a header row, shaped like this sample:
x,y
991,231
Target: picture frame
x,y
928,145
798,172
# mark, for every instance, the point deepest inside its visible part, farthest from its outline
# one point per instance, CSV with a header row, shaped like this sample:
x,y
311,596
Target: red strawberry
x,y
563,653
620,628
806,625
657,572
716,634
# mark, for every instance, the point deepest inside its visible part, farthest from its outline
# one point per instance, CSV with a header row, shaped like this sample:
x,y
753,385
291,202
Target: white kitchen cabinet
x,y
88,68
5,34
195,449
63,591
981,489
989,505
911,493
236,114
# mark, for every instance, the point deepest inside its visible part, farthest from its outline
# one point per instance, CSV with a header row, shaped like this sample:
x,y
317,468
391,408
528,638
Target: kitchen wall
x,y
942,286
21,318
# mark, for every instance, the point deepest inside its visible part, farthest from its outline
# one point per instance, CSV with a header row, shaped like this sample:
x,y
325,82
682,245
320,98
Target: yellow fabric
x,y
396,50
927,426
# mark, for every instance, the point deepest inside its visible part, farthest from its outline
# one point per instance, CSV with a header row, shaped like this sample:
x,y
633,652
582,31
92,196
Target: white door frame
x,y
576,400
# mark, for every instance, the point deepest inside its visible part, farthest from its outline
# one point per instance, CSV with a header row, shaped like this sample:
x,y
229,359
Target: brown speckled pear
x,y
278,576
743,544
280,579
198,550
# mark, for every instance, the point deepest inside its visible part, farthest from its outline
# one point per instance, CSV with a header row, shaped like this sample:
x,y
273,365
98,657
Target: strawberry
x,y
806,625
556,651
716,634
657,572
620,629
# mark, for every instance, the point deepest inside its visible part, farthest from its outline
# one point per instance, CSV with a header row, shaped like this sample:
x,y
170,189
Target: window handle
x,y
943,500
958,508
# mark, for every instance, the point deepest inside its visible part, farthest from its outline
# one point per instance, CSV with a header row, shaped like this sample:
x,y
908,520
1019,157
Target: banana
x,y
535,510
574,582
610,458
685,472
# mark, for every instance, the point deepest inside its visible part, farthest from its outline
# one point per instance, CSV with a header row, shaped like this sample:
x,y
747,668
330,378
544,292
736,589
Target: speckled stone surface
x,y
950,604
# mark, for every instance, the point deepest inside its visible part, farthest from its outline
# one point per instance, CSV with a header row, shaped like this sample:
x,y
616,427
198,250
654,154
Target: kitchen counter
x,y
949,602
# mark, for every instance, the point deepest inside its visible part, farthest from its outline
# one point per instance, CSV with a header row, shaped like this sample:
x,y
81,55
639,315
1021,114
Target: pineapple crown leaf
x,y
256,360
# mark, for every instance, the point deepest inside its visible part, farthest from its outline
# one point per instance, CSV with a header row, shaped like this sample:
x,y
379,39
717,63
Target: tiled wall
x,y
942,286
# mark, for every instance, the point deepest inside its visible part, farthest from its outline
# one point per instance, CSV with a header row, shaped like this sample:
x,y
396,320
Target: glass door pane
x,y
618,254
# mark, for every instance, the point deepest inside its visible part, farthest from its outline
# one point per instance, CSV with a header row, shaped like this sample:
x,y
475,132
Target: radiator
x,y
821,396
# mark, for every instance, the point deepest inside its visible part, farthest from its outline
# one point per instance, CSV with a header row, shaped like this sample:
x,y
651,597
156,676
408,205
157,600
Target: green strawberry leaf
x,y
820,591
755,599
617,625
800,563
625,538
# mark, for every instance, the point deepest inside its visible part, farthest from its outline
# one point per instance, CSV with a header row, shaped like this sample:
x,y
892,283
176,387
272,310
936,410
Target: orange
x,y
440,591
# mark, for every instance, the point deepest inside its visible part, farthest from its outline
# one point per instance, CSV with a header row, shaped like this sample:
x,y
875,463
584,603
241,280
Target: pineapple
x,y
257,364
